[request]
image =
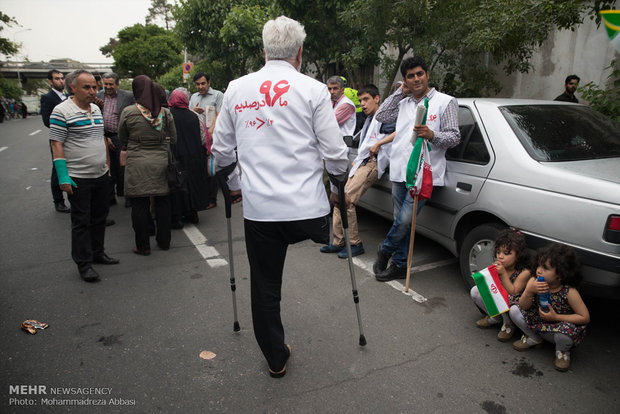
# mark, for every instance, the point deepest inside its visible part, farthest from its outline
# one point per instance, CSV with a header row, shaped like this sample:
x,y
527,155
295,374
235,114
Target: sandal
x,y
282,372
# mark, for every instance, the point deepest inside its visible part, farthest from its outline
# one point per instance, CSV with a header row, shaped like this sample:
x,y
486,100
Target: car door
x,y
468,165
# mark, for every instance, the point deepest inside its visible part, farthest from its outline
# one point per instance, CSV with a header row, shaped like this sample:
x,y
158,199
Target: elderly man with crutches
x,y
283,127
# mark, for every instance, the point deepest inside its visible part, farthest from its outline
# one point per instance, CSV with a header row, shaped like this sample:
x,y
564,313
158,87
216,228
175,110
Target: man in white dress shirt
x,y
283,127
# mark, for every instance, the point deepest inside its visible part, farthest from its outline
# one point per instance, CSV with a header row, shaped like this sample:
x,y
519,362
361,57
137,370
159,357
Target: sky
x,y
75,29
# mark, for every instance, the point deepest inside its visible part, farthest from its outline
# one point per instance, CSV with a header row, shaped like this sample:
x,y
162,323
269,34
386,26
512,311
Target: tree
x,y
145,50
463,39
8,88
606,101
109,47
7,48
161,10
208,29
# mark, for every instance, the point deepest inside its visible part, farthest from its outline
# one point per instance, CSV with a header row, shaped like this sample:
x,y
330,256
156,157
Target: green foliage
x,y
463,41
606,101
146,50
7,48
208,28
242,31
109,47
174,78
9,88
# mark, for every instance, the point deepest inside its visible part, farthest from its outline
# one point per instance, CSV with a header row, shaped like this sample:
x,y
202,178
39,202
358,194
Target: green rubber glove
x,y
63,174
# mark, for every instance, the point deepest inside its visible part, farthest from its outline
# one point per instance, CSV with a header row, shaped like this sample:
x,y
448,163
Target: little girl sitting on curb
x,y
511,261
564,321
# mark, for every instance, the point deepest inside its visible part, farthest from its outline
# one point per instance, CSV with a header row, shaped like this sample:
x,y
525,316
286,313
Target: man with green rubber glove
x,y
81,161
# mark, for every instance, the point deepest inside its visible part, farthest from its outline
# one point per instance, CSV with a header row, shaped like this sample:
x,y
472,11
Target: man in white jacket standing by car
x,y
283,126
441,131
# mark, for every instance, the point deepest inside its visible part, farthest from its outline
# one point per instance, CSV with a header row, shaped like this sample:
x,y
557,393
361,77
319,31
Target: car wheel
x,y
477,250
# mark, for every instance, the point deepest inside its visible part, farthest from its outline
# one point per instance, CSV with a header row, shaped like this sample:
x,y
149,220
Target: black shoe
x,y
109,222
332,248
141,252
89,274
391,273
381,263
192,217
163,246
176,225
106,260
356,250
61,207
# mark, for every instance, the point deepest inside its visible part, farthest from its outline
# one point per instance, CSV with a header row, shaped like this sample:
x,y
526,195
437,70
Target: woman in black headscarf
x,y
144,131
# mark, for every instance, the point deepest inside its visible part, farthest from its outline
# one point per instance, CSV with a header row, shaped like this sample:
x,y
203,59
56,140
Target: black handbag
x,y
176,174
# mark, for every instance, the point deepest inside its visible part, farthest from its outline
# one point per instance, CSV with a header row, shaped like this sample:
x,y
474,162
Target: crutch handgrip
x,y
222,177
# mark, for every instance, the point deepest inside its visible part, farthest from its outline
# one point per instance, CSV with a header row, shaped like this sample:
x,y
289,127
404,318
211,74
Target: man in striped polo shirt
x,y
81,161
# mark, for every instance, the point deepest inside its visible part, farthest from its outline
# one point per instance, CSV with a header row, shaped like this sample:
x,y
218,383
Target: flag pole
x,y
411,239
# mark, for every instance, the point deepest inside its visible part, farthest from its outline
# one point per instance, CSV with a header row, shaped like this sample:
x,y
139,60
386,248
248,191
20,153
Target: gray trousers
x,y
475,296
562,342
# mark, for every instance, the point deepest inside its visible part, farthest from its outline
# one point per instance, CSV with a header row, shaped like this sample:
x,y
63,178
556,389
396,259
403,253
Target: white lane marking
x,y
366,264
35,132
3,148
400,287
208,252
217,262
28,188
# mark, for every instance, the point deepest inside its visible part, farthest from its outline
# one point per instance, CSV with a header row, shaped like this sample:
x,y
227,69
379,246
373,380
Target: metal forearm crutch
x,y
340,182
222,176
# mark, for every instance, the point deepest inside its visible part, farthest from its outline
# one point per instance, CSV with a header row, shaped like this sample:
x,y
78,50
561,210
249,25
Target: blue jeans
x,y
396,242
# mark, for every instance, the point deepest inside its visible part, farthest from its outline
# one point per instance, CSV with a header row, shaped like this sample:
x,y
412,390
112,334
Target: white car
x,y
550,169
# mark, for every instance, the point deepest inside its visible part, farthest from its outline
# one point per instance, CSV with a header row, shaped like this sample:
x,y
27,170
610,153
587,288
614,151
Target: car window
x,y
472,148
564,132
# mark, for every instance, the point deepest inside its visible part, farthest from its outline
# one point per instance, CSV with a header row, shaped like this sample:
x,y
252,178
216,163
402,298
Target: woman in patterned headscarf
x,y
144,130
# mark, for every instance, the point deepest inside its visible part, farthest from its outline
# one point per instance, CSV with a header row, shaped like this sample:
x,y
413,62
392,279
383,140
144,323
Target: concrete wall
x,y
585,52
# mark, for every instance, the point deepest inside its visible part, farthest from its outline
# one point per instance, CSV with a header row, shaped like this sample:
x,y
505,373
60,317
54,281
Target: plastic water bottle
x,y
543,298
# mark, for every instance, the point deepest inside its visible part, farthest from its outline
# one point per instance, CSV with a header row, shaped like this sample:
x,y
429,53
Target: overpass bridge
x,y
38,70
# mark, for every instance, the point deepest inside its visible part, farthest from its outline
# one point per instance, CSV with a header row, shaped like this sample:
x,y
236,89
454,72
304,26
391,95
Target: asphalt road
x,y
134,340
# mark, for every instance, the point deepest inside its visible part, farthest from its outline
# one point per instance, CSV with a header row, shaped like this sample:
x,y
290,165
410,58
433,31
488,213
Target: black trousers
x,y
266,245
142,221
55,187
212,190
117,172
89,209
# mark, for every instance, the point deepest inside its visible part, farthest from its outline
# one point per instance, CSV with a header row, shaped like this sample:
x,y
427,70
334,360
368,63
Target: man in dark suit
x,y
114,101
48,101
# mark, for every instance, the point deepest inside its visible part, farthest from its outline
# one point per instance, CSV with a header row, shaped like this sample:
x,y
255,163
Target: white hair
x,y
282,38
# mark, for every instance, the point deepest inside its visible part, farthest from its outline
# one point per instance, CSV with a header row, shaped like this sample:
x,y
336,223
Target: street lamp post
x,y
19,78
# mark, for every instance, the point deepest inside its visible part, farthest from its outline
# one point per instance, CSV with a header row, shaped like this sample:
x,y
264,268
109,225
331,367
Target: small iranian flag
x,y
492,291
611,19
419,173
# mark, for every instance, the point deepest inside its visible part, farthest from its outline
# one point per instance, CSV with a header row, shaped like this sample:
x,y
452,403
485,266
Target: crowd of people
x,y
107,143
11,109
284,129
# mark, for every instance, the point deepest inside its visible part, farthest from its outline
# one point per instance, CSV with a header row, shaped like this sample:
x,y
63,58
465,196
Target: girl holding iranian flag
x,y
564,321
511,263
